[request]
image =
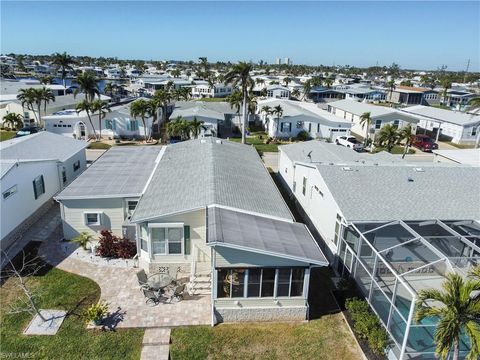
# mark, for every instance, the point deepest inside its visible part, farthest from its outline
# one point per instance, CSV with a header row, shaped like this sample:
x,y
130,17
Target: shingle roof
x,y
454,117
119,172
378,193
198,173
43,145
261,234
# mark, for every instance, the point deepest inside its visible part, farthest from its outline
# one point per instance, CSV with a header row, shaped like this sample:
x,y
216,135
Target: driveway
x,y
270,159
93,155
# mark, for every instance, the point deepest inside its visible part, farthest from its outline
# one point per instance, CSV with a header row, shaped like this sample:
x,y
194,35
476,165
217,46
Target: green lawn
x,y
325,338
259,144
98,145
62,290
5,135
396,150
459,146
212,99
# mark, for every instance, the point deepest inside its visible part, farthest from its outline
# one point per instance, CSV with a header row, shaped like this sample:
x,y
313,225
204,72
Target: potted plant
x,y
96,312
83,239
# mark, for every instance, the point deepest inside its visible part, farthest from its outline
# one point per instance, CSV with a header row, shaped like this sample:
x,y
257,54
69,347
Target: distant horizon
x,y
416,35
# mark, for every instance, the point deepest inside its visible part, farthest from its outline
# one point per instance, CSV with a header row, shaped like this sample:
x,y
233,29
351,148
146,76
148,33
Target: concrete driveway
x,y
270,159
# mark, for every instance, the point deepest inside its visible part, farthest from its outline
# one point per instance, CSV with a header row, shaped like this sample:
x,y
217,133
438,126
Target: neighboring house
x,y
456,97
351,111
115,124
33,169
219,118
207,209
395,229
278,92
360,92
458,156
410,95
200,91
325,95
458,127
300,116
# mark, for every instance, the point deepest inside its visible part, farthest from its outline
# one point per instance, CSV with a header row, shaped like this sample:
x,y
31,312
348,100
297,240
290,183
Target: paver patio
x,y
119,288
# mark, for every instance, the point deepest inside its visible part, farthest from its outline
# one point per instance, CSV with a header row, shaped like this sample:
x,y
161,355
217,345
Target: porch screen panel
x,y
297,282
158,240
268,282
254,276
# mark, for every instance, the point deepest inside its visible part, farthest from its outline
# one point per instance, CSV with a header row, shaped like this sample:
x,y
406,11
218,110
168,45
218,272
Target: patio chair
x,y
178,293
152,297
142,279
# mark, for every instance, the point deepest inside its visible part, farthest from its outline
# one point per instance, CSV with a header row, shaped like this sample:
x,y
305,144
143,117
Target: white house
x,y
117,123
460,128
208,210
458,156
278,92
200,91
301,116
34,168
351,111
360,92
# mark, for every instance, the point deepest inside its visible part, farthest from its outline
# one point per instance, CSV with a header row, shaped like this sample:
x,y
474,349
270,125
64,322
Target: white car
x,y
349,142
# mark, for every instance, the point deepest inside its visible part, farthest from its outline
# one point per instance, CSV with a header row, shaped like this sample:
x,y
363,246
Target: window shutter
x,y
35,190
129,125
187,243
114,124
136,125
43,185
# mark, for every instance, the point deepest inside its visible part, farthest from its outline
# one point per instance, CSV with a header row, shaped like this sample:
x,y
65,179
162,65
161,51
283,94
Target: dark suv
x,y
424,143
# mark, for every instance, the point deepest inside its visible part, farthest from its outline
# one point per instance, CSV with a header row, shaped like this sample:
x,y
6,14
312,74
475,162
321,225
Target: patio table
x,y
159,281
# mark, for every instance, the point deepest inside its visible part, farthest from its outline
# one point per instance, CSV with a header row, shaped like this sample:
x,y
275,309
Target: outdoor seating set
x,y
159,288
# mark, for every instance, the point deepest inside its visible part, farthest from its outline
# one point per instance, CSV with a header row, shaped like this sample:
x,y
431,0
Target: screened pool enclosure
x,y
391,262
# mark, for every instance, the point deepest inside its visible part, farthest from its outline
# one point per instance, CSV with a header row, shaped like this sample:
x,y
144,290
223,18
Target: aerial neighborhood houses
x,y
34,169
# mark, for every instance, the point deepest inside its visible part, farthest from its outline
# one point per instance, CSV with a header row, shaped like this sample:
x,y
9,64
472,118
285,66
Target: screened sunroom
x,y
391,262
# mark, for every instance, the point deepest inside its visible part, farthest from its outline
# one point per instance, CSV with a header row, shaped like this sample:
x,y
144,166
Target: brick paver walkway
x,y
119,288
156,344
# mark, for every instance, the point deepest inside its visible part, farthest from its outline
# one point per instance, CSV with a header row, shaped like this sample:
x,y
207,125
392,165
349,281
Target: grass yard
x,y
6,135
325,338
255,140
98,145
459,146
62,290
396,150
212,99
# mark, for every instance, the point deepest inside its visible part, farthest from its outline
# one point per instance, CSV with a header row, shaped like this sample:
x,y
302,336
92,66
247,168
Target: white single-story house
x,y
395,228
200,91
300,116
458,156
117,123
351,111
278,92
34,168
360,92
459,127
209,210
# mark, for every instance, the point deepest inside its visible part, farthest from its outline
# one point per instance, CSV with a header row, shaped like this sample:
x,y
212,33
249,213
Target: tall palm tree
x,y
141,108
46,95
406,134
63,62
391,87
296,93
446,84
196,127
87,84
307,87
86,106
102,108
388,136
474,103
27,98
235,100
287,80
266,110
457,311
278,111
366,122
162,99
239,75
174,127
14,120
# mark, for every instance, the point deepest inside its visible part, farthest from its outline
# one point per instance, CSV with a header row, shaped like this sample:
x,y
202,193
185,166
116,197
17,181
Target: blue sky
x,y
419,35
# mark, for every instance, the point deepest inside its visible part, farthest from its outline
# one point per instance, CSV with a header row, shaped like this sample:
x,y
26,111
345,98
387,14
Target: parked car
x,y
424,143
350,142
27,131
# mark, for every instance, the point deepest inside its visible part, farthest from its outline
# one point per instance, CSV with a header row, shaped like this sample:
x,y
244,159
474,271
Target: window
x,y
286,127
132,125
268,282
304,186
143,237
396,123
64,175
167,240
296,288
299,124
9,192
231,283
283,282
38,186
254,280
76,165
309,127
131,205
318,127
269,93
474,131
378,124
338,226
92,219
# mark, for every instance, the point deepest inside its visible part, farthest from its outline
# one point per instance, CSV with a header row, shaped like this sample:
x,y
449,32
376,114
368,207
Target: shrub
x,y
303,136
96,312
115,247
83,239
367,326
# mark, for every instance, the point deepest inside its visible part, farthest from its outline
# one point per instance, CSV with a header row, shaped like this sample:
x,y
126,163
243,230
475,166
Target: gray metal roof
x,y
382,192
263,235
443,115
43,145
220,107
358,108
322,152
197,173
122,171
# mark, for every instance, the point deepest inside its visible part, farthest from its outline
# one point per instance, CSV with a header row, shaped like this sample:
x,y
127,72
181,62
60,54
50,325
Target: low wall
x,y
261,314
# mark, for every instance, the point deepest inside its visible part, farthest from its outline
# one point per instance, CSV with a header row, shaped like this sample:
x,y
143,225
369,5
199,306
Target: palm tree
x,y
64,62
27,98
87,84
388,136
141,108
406,134
266,110
86,106
474,103
457,311
391,87
240,75
307,87
173,127
46,95
235,100
446,84
328,82
366,122
277,110
14,120
196,127
102,108
287,80
162,99
296,93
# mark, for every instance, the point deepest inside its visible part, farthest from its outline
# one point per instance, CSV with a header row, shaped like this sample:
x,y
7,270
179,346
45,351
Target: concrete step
x,y
156,336
155,352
